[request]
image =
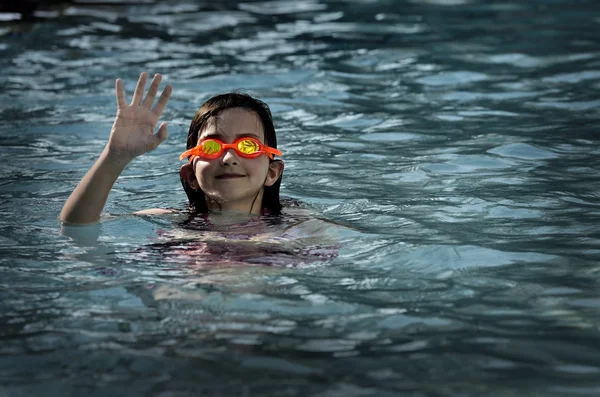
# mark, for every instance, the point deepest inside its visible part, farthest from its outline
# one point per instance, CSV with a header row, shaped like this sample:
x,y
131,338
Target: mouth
x,y
229,176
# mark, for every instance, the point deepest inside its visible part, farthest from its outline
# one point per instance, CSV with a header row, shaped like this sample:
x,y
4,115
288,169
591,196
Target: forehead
x,y
234,122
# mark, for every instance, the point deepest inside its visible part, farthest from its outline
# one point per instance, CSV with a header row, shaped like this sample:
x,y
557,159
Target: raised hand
x,y
132,133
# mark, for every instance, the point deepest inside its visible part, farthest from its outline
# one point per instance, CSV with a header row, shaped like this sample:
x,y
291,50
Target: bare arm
x,y
132,135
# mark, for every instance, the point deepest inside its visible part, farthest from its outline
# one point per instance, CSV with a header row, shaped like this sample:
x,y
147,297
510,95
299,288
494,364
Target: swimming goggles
x,y
210,149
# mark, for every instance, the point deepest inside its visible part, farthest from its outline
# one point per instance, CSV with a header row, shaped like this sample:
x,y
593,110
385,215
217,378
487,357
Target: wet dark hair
x,y
212,108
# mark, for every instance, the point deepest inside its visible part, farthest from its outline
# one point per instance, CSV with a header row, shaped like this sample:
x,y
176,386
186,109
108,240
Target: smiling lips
x,y
229,176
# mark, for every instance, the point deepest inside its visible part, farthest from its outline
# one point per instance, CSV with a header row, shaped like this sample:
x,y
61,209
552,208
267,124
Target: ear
x,y
275,171
186,172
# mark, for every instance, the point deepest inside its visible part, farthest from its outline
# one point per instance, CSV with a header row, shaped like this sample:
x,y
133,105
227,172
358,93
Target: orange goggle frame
x,y
210,149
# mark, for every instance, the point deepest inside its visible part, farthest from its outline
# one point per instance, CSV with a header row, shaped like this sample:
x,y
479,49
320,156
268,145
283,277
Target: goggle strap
x,y
186,154
271,150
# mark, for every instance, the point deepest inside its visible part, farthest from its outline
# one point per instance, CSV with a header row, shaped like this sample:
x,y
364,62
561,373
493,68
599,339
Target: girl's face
x,y
231,182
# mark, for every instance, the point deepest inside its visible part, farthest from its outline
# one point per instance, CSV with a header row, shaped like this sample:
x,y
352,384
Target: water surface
x,y
452,143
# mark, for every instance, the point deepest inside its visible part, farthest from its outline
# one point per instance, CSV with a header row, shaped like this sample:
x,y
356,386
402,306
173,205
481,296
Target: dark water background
x,y
456,139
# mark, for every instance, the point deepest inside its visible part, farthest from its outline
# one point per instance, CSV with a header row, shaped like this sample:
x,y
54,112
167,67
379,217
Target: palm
x,y
133,130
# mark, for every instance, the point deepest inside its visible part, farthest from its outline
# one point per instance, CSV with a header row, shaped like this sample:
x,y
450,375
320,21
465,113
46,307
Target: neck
x,y
253,206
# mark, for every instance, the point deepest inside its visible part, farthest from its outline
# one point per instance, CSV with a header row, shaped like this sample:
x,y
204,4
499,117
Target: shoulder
x,y
156,211
295,211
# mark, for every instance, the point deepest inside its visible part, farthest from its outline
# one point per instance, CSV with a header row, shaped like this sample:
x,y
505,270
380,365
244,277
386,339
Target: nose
x,y
229,157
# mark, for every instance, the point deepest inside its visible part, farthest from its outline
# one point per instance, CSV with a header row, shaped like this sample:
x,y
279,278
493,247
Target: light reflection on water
x,y
450,146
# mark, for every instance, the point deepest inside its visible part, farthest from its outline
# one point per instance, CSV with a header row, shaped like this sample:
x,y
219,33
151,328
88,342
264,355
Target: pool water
x,y
447,149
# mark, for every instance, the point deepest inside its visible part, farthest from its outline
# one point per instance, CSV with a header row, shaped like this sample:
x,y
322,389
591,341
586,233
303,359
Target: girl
x,y
231,151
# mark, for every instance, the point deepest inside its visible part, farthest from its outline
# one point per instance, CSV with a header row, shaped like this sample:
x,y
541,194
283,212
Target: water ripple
x,y
447,147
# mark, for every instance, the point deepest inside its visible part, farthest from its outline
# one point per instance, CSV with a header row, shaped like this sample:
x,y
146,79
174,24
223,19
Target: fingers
x,y
162,101
138,95
139,90
149,100
120,91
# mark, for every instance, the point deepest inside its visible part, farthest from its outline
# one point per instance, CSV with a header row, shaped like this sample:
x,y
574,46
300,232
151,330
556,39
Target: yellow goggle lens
x,y
248,146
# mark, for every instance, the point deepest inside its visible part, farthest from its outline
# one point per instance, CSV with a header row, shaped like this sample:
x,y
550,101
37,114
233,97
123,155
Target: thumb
x,y
161,134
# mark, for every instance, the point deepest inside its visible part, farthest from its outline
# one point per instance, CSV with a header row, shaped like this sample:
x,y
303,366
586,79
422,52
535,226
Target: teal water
x,y
452,145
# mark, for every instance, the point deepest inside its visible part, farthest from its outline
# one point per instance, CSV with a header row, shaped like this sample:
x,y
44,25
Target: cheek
x,y
203,171
259,167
